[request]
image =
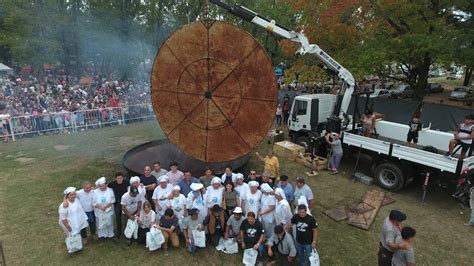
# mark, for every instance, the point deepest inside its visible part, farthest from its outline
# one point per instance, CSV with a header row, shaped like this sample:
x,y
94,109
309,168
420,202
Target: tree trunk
x,y
467,76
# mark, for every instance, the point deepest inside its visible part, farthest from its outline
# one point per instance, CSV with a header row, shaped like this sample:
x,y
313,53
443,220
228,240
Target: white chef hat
x,y
280,192
176,188
265,188
163,178
303,200
216,180
100,181
253,184
196,186
240,176
134,179
69,190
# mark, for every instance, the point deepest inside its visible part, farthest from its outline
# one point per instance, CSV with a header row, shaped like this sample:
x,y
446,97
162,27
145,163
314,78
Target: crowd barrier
x,y
69,122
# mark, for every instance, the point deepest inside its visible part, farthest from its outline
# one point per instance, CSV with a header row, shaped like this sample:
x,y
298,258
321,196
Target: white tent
x,y
4,70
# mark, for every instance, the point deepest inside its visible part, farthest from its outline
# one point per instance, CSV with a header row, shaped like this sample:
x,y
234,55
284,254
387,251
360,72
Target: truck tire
x,y
305,142
389,176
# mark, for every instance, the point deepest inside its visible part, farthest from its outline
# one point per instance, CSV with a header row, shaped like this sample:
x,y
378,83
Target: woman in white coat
x,y
177,203
103,208
283,213
214,193
72,217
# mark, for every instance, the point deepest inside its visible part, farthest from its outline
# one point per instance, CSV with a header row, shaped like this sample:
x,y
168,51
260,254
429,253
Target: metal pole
x,y
12,128
425,186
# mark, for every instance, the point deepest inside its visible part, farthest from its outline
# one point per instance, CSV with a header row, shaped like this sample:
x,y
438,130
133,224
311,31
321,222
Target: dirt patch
x,y
62,147
129,141
25,160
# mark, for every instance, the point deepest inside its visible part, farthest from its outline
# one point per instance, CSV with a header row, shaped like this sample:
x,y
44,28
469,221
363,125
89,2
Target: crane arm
x,y
305,48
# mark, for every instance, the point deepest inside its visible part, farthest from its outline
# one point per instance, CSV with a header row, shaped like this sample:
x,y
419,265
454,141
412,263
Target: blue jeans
x,y
335,160
91,221
471,221
301,249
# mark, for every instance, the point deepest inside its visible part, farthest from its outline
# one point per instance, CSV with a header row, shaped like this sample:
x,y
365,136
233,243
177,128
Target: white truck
x,y
394,164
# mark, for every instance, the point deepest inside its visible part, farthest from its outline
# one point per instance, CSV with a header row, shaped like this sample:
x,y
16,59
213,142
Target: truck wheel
x,y
304,141
389,176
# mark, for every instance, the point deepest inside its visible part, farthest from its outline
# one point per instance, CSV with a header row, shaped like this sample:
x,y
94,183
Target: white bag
x,y
231,246
74,243
250,256
199,238
132,229
154,239
314,258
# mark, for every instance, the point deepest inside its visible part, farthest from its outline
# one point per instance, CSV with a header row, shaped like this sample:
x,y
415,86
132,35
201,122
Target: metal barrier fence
x,y
67,122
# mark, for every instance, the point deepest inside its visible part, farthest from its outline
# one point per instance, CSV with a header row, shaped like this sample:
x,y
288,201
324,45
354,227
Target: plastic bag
x,y
154,239
314,258
250,256
231,246
199,238
132,229
74,243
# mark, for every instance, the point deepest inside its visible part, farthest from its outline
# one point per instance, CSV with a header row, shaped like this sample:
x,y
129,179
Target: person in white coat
x,y
214,193
241,187
161,195
103,208
177,203
196,198
267,213
283,213
252,199
72,217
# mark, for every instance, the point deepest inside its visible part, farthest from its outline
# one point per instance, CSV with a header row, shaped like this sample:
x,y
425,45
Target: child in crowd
x,y
414,127
336,151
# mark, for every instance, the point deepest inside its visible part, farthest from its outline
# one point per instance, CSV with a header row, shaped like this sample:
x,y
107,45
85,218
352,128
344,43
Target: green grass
x,y
35,171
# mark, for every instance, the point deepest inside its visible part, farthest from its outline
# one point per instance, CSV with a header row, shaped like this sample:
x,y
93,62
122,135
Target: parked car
x,y
434,88
460,93
402,91
378,93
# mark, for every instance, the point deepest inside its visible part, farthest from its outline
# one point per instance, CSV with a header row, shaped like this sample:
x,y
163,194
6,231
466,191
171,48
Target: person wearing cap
x,y
161,195
306,233
283,213
405,256
391,229
104,199
195,199
281,247
177,202
72,217
271,163
119,186
252,199
207,177
241,187
168,226
231,198
131,205
287,188
302,189
149,182
228,175
191,223
336,151
463,137
146,220
85,197
215,223
214,193
267,213
185,184
158,171
233,225
174,174
252,235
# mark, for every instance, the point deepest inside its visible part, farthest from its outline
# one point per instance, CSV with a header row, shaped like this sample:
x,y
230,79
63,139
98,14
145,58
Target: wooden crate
x,y
321,163
287,149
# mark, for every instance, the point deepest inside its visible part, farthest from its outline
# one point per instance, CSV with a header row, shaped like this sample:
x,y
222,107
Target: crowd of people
x,y
58,100
262,213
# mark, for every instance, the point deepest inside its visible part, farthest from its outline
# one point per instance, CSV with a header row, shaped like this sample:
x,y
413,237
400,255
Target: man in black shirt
x,y
253,177
149,181
119,186
252,235
306,233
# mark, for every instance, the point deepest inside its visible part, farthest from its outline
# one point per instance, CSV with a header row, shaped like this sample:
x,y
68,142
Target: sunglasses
x,y
253,173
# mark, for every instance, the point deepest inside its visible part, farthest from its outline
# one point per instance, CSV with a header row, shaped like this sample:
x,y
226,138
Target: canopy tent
x,y
4,70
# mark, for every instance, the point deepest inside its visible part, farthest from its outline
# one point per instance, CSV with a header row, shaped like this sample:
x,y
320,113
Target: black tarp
x,y
396,110
443,117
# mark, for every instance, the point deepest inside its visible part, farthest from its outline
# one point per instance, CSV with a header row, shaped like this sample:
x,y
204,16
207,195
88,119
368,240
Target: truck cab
x,y
308,116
